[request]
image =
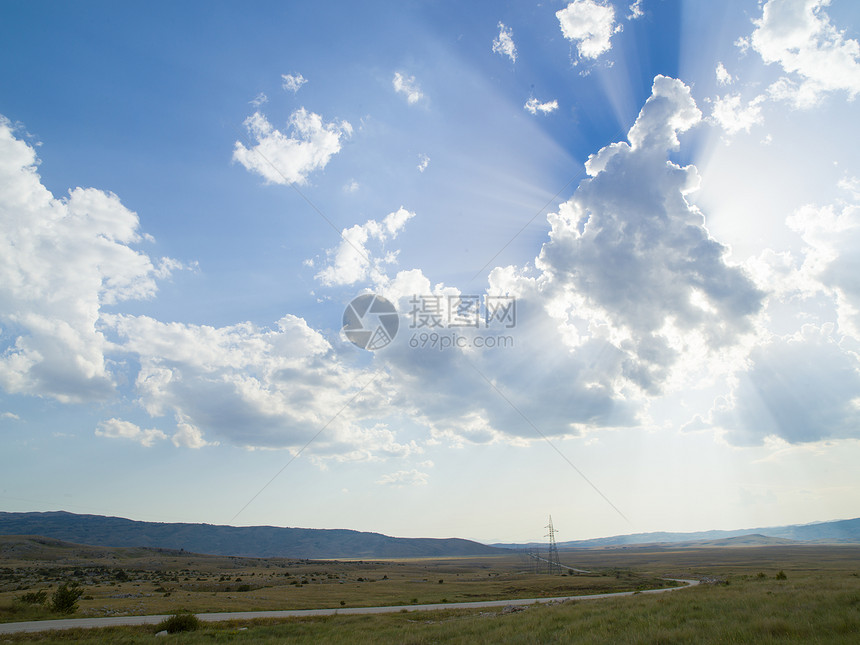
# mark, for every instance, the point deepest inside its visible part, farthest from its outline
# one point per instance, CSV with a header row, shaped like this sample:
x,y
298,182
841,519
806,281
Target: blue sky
x,y
667,190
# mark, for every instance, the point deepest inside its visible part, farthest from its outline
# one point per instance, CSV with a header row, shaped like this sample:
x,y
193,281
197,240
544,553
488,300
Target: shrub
x,y
65,598
781,576
245,587
34,598
179,622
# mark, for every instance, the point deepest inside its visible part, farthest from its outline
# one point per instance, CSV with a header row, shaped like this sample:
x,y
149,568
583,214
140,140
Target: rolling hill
x,y
835,532
250,541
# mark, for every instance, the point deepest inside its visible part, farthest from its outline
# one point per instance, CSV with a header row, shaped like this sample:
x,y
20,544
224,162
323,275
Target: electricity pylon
x,y
553,564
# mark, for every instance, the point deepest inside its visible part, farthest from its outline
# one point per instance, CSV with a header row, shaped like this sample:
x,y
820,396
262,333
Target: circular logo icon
x,y
370,321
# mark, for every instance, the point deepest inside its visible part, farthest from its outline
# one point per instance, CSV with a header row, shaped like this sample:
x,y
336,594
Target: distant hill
x,y
250,541
836,532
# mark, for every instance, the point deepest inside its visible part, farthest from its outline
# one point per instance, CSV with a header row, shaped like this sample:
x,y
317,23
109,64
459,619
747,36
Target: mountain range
x,y
272,541
248,541
834,532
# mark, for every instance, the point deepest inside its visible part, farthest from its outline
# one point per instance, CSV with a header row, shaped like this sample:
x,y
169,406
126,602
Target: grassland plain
x,y
126,581
818,601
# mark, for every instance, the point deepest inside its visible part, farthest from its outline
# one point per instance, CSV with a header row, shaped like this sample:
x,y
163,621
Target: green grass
x,y
202,585
817,602
806,608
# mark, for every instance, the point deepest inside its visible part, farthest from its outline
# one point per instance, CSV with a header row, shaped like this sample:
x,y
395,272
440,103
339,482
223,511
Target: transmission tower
x,y
553,564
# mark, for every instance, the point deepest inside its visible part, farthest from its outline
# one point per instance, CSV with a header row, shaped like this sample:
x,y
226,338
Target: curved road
x,y
72,623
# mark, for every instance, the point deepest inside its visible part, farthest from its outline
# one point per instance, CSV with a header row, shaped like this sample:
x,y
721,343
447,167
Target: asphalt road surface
x,y
73,623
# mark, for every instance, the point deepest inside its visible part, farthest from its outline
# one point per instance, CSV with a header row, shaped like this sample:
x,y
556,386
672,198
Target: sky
x,y
619,240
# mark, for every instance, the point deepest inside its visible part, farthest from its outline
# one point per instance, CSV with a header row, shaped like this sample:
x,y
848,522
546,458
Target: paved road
x,y
72,623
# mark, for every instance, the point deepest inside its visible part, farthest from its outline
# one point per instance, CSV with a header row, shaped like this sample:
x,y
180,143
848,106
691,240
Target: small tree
x,y
65,598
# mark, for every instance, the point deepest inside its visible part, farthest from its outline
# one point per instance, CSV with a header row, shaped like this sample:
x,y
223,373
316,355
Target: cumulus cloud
x,y
534,106
635,10
423,162
408,87
402,478
801,388
723,76
730,113
289,158
293,82
504,44
589,24
61,261
118,429
630,249
799,36
352,261
189,436
258,387
830,260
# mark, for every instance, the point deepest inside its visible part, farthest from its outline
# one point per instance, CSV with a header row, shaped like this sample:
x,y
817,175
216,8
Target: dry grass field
x,y
744,598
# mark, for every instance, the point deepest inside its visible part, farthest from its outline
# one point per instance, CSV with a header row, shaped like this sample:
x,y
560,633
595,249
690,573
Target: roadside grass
x,y
811,607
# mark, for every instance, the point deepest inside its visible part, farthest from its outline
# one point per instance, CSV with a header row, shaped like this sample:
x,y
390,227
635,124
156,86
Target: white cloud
x,y
504,44
407,86
10,415
258,388
401,478
351,187
723,76
590,25
534,106
189,436
61,261
832,238
629,252
635,10
284,159
423,162
732,115
118,429
292,82
260,99
798,35
800,388
352,261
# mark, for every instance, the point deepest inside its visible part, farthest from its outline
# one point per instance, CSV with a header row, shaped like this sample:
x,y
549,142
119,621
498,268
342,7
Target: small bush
x,y
781,576
179,622
65,598
245,587
34,598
